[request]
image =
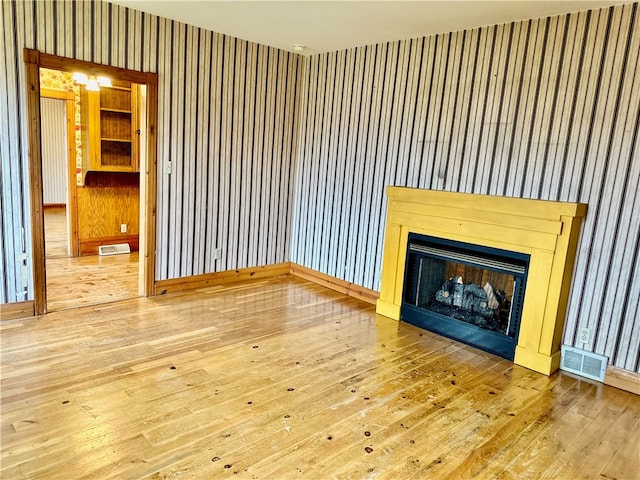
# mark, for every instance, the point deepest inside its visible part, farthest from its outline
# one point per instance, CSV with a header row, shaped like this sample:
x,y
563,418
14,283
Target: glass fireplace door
x,y
467,292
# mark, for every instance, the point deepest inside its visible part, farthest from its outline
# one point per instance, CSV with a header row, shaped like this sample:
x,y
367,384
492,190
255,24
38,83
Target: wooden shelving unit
x,y
110,128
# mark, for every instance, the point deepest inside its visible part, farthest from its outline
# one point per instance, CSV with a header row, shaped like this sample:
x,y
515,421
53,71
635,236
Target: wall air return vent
x,y
114,249
586,364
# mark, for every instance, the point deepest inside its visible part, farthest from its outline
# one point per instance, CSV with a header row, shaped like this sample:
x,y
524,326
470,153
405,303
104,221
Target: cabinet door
x,y
117,128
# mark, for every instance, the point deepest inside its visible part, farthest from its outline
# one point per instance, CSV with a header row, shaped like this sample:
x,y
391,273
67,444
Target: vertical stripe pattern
x,y
275,158
546,109
226,123
53,113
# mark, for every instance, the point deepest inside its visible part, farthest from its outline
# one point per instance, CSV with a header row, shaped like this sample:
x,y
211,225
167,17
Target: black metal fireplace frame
x,y
493,342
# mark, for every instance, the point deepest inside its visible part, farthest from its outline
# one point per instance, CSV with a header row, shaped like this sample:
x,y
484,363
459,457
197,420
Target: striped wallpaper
x,y
53,114
276,158
545,109
226,123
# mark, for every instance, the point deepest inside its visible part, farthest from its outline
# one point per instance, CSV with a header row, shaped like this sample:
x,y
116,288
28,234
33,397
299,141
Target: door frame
x,y
72,205
34,60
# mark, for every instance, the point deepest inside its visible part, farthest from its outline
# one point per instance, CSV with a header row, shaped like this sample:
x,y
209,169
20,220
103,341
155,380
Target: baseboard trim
x,y
11,311
342,286
622,379
220,278
90,246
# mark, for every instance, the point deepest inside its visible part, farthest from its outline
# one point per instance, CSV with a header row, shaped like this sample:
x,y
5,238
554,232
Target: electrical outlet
x,y
584,335
217,254
168,167
123,228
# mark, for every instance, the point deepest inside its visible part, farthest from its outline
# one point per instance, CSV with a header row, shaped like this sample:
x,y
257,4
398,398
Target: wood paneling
x,y
91,246
101,211
543,109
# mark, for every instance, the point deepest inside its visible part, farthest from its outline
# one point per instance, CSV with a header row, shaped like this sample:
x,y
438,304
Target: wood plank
x,y
337,284
622,379
90,280
32,71
10,311
282,378
220,278
90,246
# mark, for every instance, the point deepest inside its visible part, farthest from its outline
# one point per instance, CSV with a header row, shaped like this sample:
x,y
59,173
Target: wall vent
x,y
114,249
581,362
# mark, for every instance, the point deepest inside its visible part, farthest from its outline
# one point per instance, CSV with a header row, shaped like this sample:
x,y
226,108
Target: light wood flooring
x,y
284,379
56,236
90,280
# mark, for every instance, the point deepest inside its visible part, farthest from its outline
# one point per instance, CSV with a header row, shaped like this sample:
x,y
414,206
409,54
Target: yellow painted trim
x,y
547,231
388,309
537,361
11,311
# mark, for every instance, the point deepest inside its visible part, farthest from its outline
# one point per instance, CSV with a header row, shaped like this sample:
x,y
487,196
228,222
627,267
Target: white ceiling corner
x,y
324,26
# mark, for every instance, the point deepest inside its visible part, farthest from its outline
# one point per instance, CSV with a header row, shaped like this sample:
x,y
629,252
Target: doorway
x,y
146,173
57,131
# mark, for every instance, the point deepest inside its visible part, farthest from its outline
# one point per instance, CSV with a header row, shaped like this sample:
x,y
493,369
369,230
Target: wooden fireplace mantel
x,y
547,231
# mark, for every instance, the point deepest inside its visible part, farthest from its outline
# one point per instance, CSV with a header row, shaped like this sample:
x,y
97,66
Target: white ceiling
x,y
324,26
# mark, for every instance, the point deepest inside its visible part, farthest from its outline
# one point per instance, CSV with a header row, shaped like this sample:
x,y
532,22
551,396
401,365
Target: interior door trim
x,y
34,60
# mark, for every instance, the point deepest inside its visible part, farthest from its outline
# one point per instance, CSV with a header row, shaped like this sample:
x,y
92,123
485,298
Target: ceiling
x,y
324,26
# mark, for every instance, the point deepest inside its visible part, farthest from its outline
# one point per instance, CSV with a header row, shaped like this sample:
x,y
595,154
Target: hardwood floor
x,y
280,379
56,236
78,281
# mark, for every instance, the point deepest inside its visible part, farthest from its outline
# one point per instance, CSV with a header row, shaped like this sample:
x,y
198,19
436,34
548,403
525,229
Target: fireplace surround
x,y
544,231
467,292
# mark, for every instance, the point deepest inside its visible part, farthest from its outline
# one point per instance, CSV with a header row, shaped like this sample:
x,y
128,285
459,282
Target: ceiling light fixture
x,y
298,48
80,78
92,83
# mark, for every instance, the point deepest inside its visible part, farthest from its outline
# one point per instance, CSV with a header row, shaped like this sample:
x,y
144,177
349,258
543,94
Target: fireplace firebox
x,y
471,293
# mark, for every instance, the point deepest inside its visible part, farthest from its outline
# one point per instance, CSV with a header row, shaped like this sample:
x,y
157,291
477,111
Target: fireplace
x,y
535,239
464,291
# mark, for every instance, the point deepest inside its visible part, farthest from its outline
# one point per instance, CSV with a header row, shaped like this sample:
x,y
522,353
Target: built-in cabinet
x,y
110,128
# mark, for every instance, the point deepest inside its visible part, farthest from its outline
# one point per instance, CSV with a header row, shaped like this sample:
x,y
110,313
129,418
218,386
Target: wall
x,y
56,80
226,122
545,109
53,113
539,109
101,211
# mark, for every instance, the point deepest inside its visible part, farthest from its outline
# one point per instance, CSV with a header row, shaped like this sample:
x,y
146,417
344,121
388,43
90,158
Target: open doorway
x,y
57,108
114,197
86,151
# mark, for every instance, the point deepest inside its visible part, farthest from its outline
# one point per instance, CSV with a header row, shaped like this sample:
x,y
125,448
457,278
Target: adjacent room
x,y
320,239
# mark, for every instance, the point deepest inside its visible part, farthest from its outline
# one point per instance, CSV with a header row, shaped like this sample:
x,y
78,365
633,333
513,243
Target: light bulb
x,y
80,78
92,85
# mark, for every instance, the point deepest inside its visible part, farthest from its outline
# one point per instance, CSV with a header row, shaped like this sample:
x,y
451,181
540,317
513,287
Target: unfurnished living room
x,y
350,240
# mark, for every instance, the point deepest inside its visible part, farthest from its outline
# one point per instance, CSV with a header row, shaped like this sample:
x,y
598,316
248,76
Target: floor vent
x,y
581,362
114,249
